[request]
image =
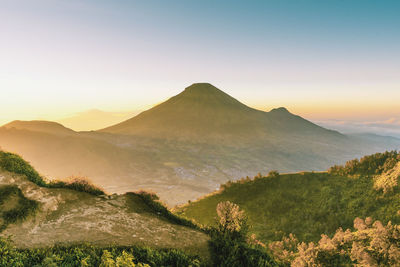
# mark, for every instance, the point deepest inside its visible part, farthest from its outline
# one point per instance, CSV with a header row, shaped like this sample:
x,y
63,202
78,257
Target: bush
x,y
89,255
9,255
370,244
77,184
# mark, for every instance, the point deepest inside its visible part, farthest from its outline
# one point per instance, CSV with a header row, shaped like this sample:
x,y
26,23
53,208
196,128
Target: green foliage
x,y
21,207
107,259
152,201
9,255
14,163
368,165
125,260
88,255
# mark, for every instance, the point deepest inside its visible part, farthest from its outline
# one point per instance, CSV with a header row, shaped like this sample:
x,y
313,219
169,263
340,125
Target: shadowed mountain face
x,y
204,112
187,146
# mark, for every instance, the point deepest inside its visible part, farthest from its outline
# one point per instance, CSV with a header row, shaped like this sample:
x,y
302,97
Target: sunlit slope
x,y
67,216
309,204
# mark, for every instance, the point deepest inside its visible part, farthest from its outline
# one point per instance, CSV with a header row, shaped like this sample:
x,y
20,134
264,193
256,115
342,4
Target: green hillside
x,y
310,204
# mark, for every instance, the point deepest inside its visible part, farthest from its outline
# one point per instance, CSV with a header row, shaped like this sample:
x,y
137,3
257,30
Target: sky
x,y
325,60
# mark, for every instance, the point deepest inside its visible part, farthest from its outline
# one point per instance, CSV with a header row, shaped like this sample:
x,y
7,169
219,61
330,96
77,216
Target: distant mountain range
x,y
185,147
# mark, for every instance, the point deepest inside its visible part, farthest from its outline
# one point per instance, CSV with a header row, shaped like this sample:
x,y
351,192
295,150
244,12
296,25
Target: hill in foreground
x,y
44,215
309,204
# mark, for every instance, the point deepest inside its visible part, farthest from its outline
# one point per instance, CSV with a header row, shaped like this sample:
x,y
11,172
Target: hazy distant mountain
x,y
188,145
40,126
388,127
94,119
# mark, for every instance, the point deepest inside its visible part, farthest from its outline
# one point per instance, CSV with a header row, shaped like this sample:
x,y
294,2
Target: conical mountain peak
x,y
202,88
281,110
202,95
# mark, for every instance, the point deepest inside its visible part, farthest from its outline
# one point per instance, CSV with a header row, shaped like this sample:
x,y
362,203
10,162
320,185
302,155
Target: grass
x,y
14,163
14,206
77,184
151,200
306,204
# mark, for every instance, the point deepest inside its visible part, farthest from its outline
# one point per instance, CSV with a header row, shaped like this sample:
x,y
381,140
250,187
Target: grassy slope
x,y
306,204
14,206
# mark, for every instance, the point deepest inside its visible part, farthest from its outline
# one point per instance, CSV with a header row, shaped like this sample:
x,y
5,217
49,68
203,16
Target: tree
x,y
231,219
229,244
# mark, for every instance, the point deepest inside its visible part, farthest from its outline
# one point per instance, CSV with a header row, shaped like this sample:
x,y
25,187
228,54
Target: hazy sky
x,y
320,59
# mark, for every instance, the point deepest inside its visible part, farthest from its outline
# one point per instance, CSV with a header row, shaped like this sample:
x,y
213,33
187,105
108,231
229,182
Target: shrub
x,y
229,244
89,255
388,181
78,184
370,244
9,255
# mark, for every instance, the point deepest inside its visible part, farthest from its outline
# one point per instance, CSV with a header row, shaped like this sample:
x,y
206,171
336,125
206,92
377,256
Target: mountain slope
x,y
205,112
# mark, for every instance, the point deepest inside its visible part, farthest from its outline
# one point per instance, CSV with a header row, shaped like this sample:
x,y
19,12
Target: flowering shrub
x,y
231,218
389,180
370,244
230,244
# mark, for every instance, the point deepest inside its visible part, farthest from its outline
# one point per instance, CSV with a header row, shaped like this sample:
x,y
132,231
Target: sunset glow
x,y
320,60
